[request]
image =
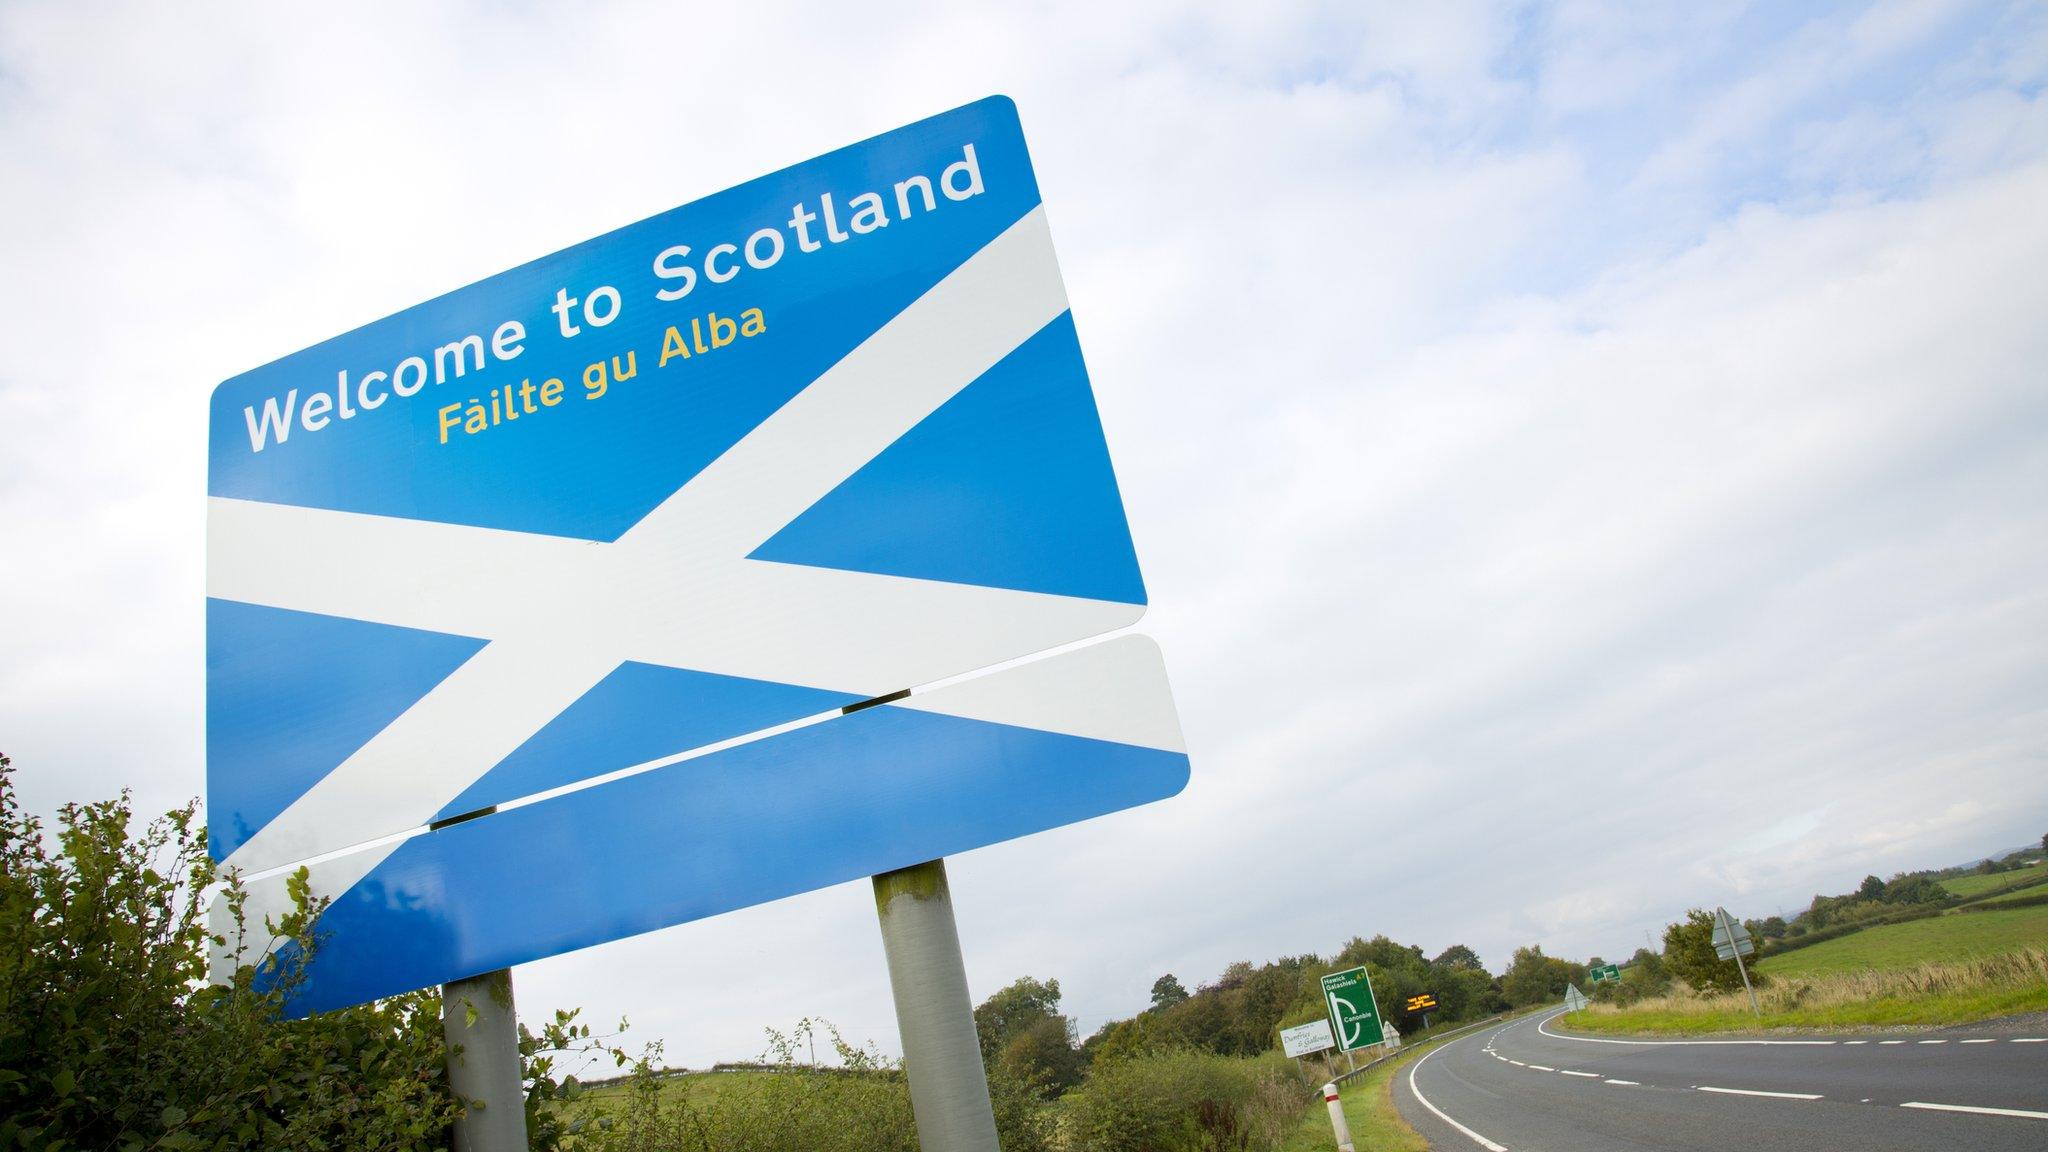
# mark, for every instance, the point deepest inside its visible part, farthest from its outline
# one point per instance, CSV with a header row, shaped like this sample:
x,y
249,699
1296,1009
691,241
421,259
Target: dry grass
x,y
1924,994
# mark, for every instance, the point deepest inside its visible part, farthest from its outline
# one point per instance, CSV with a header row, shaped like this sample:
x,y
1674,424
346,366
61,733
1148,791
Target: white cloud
x,y
1589,541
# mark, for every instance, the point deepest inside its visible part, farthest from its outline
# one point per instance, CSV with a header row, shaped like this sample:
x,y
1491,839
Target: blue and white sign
x,y
607,541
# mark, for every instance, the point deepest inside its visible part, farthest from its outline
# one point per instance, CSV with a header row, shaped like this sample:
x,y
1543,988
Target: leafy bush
x,y
1186,1101
111,1036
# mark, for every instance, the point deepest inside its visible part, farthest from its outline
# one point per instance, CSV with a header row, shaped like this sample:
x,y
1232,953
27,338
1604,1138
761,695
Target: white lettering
x,y
271,423
678,271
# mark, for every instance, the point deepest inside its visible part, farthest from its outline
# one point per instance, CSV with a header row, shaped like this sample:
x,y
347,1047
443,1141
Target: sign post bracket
x,y
934,1013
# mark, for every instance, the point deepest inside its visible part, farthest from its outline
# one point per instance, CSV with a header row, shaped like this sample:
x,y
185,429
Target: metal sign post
x,y
483,1063
1732,940
934,1013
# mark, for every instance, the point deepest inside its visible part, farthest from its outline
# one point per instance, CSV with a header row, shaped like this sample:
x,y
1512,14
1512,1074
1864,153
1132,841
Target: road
x,y
1527,1087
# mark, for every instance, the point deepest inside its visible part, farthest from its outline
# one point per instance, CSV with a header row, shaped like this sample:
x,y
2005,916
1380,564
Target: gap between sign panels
x,y
673,759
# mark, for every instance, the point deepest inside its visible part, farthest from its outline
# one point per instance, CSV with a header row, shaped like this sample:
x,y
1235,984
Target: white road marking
x,y
1853,1043
1482,1141
1543,1026
2020,1112
1755,1092
1979,1041
1630,1083
1933,1041
1543,1067
1518,1063
2032,1040
1587,1075
1891,1041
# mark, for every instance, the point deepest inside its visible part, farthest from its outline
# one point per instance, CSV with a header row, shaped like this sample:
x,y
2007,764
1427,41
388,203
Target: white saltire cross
x,y
676,589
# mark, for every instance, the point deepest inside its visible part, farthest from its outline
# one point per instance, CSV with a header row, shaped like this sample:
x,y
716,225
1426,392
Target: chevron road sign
x,y
615,590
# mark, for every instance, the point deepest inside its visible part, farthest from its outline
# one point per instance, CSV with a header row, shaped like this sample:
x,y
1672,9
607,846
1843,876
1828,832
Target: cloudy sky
x,y
1587,461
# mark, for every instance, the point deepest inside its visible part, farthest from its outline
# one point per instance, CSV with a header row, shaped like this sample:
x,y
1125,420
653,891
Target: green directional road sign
x,y
1606,972
1354,1017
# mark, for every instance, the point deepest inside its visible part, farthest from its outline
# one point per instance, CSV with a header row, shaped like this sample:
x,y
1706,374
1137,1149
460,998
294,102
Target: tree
x,y
1006,1015
1872,888
1166,992
1533,978
1689,953
1918,888
1043,1054
1457,956
2044,841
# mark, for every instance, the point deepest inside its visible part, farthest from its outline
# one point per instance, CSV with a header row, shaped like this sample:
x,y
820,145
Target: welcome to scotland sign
x,y
600,550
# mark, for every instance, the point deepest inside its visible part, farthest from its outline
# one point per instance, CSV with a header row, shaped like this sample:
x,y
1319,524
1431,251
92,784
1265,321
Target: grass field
x,y
1937,939
696,1088
1977,885
2030,892
2001,984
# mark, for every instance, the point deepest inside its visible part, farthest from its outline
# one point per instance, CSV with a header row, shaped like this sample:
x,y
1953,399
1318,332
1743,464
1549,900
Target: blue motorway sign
x,y
612,541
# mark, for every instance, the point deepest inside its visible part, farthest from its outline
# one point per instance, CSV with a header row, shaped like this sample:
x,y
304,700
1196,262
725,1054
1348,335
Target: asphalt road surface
x,y
1528,1087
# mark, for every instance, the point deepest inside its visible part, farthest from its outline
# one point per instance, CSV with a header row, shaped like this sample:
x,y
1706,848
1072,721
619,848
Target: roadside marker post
x,y
692,543
1733,941
1338,1123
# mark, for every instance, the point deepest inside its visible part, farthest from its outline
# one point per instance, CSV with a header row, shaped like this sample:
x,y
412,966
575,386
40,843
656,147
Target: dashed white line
x,y
1543,1067
1979,1041
1853,1043
1933,1041
1482,1141
1543,1026
1630,1083
1891,1041
1755,1092
1518,1063
2032,1040
2020,1112
1587,1075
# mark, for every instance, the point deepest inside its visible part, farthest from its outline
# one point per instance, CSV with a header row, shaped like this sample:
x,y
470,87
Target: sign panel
x,y
1606,972
1354,1015
1731,939
1307,1039
1423,1003
1574,999
810,441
